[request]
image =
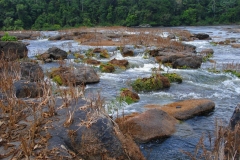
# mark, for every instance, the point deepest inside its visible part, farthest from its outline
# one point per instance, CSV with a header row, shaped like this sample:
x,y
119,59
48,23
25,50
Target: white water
x,y
223,89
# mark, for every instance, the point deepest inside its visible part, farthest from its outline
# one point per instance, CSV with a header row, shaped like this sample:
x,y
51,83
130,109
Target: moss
x,y
173,77
90,53
184,67
58,80
77,60
207,57
104,54
152,83
128,96
168,65
78,55
108,68
213,43
236,73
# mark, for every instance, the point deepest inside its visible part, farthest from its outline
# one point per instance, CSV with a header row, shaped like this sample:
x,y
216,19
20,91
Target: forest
x,y
59,14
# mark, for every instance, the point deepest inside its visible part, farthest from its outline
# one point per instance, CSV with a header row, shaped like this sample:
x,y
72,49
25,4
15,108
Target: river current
x,y
222,88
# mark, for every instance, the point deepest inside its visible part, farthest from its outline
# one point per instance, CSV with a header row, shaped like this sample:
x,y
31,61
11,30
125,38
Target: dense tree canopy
x,y
56,14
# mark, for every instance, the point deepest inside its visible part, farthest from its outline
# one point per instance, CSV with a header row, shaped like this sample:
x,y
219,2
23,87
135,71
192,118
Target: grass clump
x,y
207,57
58,80
107,68
236,73
152,83
128,96
173,77
7,37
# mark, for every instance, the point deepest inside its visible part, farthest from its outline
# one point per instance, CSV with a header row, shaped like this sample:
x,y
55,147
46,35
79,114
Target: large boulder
x,y
186,109
55,54
26,89
193,62
90,134
127,52
202,36
236,45
31,71
80,75
149,125
13,50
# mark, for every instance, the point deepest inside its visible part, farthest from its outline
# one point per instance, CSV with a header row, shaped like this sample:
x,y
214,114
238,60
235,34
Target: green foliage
x,y
7,37
152,83
173,77
53,15
234,72
58,80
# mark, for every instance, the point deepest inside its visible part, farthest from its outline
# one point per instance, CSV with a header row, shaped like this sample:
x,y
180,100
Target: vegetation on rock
x,y
108,68
173,77
128,96
7,37
153,83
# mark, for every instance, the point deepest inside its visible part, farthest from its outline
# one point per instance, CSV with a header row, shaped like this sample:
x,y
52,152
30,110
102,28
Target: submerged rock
x,y
149,125
120,63
53,53
127,52
186,109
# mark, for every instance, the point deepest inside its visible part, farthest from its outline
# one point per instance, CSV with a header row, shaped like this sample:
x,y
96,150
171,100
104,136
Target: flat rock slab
x,y
186,109
151,124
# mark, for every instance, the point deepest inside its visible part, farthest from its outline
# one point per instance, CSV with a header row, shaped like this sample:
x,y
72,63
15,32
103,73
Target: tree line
x,y
58,14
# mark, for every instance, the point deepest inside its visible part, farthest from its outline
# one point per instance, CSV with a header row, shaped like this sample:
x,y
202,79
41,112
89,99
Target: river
x,y
223,89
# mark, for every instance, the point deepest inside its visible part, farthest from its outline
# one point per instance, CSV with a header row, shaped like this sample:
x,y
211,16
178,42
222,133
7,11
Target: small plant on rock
x,y
7,37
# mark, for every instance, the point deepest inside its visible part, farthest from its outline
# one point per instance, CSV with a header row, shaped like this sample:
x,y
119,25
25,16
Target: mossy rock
x,y
173,77
129,96
89,53
78,55
107,68
153,83
92,62
104,54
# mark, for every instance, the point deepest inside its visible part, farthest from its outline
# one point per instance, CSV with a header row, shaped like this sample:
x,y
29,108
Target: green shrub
x,y
7,37
58,80
236,73
108,68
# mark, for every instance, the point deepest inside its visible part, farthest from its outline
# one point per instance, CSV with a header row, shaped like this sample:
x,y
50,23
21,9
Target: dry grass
x,y
225,145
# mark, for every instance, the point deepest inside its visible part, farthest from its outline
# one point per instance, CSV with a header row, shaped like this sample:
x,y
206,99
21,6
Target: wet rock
x,y
26,89
13,50
186,109
149,125
127,52
55,54
90,134
19,36
31,72
54,38
235,119
93,62
120,63
202,36
236,45
79,75
193,62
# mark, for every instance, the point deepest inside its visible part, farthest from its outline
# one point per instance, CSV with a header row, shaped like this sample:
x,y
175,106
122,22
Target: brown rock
x,y
186,109
119,63
236,45
207,51
149,125
127,52
93,62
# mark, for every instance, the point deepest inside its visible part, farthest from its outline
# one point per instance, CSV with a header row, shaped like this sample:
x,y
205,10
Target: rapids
x,y
223,88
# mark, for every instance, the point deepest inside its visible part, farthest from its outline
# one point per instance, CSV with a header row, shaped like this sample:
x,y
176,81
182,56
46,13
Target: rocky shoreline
x,y
43,123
